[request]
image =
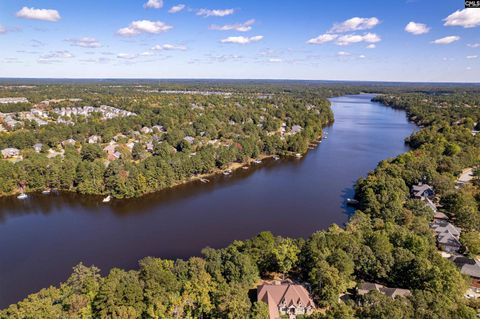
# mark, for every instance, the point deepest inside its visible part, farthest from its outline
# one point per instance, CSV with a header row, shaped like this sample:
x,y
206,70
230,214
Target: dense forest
x,y
387,241
195,135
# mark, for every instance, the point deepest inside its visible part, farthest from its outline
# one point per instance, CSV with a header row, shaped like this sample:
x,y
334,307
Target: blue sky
x,y
264,39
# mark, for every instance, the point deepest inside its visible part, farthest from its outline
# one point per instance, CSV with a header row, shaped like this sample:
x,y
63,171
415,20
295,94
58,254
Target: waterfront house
x,y
448,236
471,268
422,191
10,152
366,287
285,299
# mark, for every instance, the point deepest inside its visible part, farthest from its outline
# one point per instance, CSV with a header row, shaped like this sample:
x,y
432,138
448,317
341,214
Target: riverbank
x,y
179,222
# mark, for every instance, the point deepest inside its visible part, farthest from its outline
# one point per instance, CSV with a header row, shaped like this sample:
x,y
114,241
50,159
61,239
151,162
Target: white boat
x,y
245,167
46,192
257,161
22,196
276,158
298,155
352,202
227,172
107,199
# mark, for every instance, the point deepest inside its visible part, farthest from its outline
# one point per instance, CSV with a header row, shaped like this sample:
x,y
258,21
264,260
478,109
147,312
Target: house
x,y
422,191
94,139
448,236
366,287
469,267
38,147
296,129
439,216
285,298
189,139
110,150
10,152
146,130
159,128
70,141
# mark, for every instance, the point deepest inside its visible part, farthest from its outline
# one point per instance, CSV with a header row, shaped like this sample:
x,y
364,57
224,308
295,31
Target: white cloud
x,y
215,13
85,42
362,56
472,56
169,47
147,53
127,56
446,40
468,68
343,53
153,4
241,27
39,14
417,28
355,38
55,57
355,24
144,26
371,46
2,29
467,18
242,40
474,45
324,38
275,60
177,8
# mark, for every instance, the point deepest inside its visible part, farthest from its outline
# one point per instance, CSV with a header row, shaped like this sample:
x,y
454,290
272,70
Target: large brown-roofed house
x,y
285,298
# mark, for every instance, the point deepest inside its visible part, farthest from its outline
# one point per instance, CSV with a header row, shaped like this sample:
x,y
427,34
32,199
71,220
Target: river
x,y
43,237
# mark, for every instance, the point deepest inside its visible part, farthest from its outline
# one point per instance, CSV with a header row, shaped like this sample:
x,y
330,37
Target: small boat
x,y
204,180
107,199
22,196
245,167
276,158
325,137
352,202
298,155
257,161
46,192
227,172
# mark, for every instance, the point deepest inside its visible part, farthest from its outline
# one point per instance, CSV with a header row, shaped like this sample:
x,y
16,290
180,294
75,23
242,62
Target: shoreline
x,y
234,166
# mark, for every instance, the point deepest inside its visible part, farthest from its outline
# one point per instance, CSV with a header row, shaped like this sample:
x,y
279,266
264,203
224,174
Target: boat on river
x,y
227,172
22,196
276,157
257,161
46,191
107,199
352,202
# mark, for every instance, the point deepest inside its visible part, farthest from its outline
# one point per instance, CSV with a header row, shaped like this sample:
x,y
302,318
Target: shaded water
x,y
43,237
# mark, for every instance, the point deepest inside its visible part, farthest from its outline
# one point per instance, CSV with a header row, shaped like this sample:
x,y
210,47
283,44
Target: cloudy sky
x,y
394,40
